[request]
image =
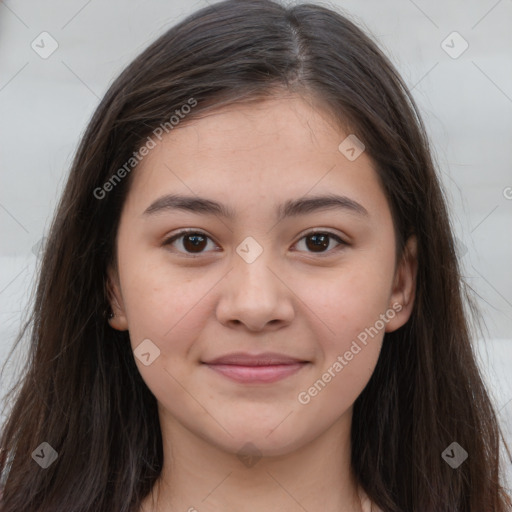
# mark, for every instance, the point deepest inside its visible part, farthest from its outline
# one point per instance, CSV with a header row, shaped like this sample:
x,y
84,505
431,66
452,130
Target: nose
x,y
255,296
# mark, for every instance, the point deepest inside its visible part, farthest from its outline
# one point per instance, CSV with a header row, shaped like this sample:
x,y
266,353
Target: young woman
x,y
250,298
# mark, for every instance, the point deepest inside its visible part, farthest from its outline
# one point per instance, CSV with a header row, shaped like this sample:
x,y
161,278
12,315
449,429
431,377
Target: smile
x,y
257,374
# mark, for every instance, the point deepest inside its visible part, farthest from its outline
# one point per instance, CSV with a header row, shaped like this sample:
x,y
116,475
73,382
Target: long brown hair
x,y
81,391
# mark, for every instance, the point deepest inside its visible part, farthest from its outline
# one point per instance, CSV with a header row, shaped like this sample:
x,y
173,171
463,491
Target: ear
x,y
404,286
115,298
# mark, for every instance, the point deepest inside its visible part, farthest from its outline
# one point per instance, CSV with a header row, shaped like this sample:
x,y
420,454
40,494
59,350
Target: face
x,y
315,281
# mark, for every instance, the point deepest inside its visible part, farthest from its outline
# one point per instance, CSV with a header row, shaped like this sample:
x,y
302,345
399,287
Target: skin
x,y
292,299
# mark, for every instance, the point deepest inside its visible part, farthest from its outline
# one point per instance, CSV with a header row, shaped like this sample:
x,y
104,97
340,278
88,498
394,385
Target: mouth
x,y
263,368
253,374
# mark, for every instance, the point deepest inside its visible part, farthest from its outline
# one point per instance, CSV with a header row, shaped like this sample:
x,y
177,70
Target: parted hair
x,y
80,390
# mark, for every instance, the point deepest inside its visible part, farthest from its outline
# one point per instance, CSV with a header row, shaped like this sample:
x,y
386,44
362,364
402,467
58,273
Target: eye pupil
x,y
320,241
195,240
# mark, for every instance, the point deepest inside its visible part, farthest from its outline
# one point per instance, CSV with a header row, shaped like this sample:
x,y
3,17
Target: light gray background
x,y
466,103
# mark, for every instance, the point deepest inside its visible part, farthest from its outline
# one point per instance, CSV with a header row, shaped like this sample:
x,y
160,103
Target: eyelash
x,y
185,232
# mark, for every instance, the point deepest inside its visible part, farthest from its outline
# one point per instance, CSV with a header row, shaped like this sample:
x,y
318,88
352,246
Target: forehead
x,y
279,148
290,122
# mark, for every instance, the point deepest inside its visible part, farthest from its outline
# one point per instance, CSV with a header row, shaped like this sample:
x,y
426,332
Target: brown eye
x,y
317,243
195,242
320,241
192,242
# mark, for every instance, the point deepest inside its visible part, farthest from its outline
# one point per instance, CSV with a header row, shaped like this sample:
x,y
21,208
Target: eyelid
x,y
326,231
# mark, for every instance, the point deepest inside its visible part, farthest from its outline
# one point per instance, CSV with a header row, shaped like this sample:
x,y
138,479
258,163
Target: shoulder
x,y
371,507
367,504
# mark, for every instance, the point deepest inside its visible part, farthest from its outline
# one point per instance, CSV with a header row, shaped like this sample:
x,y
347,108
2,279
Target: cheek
x,y
350,299
349,310
339,383
171,310
162,303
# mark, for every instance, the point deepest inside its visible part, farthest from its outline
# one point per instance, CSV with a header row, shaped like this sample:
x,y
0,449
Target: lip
x,y
256,368
254,374
263,359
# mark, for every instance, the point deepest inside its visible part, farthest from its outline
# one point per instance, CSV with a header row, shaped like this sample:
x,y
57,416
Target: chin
x,y
262,442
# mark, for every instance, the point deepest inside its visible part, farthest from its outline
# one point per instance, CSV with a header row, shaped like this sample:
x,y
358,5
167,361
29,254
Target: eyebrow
x,y
290,208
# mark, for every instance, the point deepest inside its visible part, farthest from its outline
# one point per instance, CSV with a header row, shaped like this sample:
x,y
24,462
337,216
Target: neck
x,y
200,477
